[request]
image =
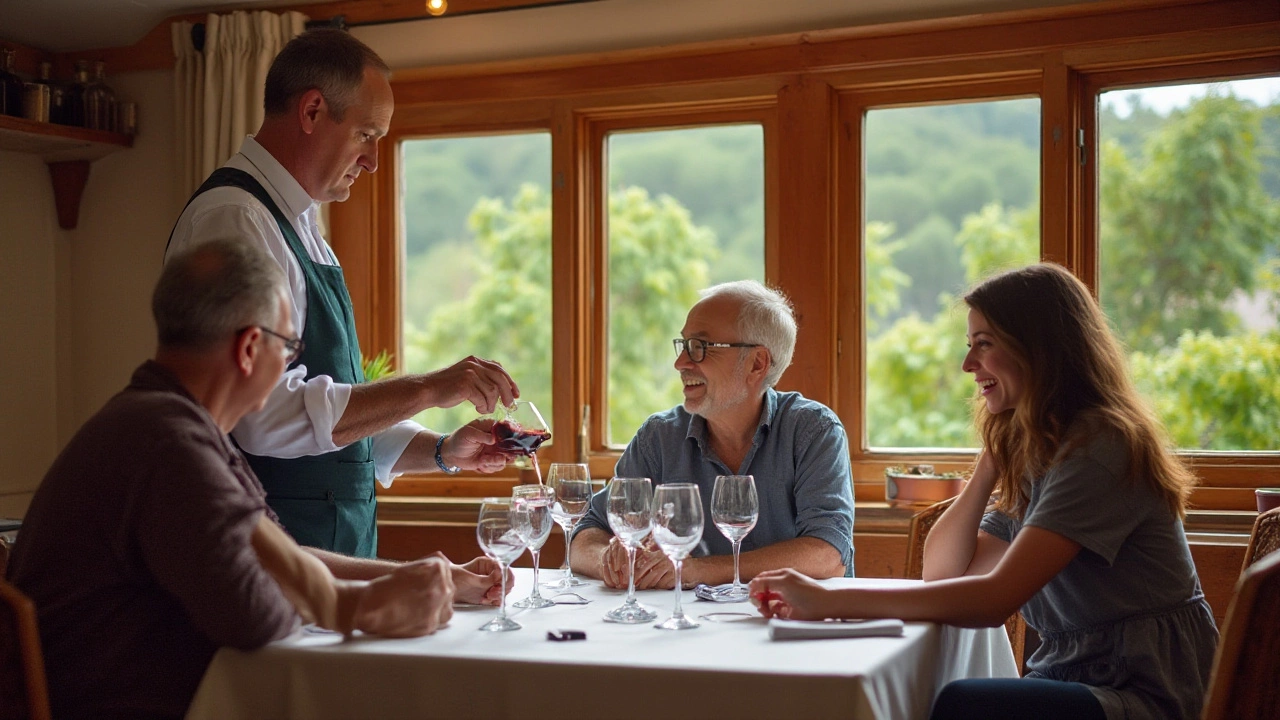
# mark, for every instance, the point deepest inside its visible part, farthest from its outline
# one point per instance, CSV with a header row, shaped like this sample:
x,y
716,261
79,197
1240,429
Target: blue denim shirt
x,y
799,457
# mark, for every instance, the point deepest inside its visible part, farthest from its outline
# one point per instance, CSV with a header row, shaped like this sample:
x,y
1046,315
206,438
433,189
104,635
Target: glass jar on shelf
x,y
11,86
99,101
74,103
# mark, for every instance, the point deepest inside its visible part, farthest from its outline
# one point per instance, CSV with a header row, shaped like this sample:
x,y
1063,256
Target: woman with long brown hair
x,y
1084,534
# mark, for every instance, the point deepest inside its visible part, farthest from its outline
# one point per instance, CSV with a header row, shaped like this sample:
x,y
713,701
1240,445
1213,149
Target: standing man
x,y
734,346
327,103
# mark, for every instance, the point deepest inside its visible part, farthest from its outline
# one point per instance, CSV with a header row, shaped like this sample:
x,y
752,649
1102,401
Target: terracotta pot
x,y
1268,498
901,488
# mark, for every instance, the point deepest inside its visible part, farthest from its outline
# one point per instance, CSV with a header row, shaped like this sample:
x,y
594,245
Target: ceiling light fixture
x,y
437,7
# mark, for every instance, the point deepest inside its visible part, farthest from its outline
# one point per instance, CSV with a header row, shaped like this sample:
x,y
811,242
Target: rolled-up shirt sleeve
x,y
297,419
824,489
389,445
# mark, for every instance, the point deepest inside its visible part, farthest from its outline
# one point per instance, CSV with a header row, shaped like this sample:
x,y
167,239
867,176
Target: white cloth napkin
x,y
812,630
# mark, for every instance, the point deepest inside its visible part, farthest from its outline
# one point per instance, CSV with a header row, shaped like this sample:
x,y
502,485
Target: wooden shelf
x,y
67,151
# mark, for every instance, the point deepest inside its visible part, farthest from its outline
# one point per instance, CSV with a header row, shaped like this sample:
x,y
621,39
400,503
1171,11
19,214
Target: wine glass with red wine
x,y
519,428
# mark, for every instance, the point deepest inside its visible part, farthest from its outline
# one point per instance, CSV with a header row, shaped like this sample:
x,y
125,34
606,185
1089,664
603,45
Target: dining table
x,y
727,668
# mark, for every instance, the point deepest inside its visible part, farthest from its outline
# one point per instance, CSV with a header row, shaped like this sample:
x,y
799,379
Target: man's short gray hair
x,y
765,318
207,293
326,59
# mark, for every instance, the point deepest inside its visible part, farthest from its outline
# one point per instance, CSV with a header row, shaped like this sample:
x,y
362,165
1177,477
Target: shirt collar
x,y
698,425
285,185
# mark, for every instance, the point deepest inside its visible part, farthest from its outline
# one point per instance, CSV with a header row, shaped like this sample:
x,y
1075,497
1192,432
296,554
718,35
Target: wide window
x,y
477,260
686,211
1189,261
951,196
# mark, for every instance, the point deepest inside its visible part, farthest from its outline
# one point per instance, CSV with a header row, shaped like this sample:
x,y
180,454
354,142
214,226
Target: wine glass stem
x,y
536,592
631,577
568,538
737,582
502,599
678,612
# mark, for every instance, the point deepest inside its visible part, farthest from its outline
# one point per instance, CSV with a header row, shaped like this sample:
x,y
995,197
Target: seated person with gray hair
x,y
736,342
149,543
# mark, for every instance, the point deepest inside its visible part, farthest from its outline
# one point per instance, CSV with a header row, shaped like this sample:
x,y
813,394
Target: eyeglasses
x,y
697,349
293,345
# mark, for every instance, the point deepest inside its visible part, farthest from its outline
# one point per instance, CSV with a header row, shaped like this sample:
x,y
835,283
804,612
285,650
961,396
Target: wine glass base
x,y
564,583
630,614
677,622
533,603
500,624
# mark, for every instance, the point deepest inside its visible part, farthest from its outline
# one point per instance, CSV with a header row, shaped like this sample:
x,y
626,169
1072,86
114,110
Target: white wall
x,y
29,248
74,304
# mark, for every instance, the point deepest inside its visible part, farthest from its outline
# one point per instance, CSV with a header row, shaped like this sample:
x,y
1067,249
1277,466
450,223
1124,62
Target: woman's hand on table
x,y
479,582
413,599
789,595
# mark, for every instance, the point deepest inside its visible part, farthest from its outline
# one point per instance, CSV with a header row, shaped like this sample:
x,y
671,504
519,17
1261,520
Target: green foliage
x,y
1188,223
377,367
658,260
917,395
507,313
1216,393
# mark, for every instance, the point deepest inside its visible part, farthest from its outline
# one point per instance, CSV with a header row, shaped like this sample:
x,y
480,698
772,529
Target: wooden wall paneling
x,y
353,236
1060,167
808,262
571,291
850,214
1218,565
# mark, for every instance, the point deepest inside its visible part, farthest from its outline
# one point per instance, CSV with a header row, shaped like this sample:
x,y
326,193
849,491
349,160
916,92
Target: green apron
x,y
325,501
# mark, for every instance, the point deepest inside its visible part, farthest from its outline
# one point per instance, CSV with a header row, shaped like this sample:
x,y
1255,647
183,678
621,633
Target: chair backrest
x,y
1243,685
1265,538
921,523
22,683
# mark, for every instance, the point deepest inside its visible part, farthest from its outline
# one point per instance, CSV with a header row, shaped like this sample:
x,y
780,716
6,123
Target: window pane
x,y
952,195
686,211
477,277
1189,264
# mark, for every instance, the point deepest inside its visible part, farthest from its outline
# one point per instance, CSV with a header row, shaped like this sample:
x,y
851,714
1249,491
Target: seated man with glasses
x,y
149,543
735,344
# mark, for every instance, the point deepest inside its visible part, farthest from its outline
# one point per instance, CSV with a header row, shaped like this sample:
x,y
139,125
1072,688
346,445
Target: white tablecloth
x,y
721,670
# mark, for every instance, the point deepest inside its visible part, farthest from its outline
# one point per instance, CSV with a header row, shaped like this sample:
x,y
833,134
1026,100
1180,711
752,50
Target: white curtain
x,y
218,92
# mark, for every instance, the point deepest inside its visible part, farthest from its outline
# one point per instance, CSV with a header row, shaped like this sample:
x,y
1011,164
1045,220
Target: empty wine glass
x,y
677,528
571,483
496,533
531,514
734,510
631,518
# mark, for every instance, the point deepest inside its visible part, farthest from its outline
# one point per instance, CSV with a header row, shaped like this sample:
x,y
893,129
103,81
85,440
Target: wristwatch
x,y
446,469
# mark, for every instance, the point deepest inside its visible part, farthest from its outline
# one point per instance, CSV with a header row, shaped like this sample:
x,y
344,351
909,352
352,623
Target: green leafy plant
x,y
378,366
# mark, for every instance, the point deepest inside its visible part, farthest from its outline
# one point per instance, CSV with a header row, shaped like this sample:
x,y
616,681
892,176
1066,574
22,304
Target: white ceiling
x,y
69,25
62,25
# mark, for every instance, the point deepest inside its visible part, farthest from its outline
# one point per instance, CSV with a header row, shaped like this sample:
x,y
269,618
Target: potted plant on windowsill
x,y
919,485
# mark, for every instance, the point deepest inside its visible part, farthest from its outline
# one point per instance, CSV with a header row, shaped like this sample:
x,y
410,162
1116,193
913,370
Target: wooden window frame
x,y
812,203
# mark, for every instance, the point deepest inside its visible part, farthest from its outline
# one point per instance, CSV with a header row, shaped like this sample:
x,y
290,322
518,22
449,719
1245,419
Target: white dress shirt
x,y
300,414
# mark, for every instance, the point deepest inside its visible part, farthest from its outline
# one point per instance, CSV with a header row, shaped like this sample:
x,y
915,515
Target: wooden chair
x,y
1243,684
921,523
1265,538
22,683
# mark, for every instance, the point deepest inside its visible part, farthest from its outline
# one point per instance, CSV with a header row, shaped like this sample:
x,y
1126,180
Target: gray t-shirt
x,y
799,458
136,552
1126,616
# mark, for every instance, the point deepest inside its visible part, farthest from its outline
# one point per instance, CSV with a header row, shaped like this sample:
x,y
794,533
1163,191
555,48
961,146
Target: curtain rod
x,y
340,21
